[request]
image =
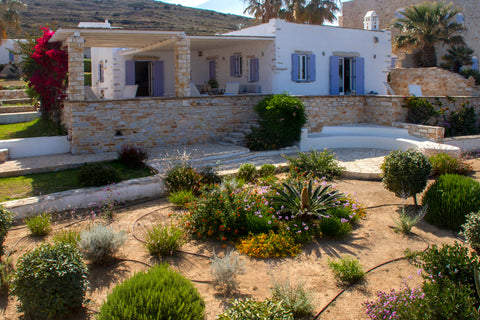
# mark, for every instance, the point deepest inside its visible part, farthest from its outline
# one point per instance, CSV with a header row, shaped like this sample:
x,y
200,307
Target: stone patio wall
x,y
103,126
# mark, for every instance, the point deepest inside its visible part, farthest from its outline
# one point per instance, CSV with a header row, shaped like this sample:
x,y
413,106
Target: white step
x,y
3,155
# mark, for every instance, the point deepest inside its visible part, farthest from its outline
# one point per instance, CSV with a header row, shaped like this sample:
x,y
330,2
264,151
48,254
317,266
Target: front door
x,y
143,78
148,75
346,76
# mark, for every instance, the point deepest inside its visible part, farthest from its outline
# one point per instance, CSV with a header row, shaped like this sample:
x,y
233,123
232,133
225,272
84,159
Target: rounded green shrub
x,y
450,199
257,310
39,225
443,163
334,227
100,243
315,164
6,218
247,172
471,230
132,156
97,174
50,281
183,177
163,240
281,118
159,294
266,170
405,173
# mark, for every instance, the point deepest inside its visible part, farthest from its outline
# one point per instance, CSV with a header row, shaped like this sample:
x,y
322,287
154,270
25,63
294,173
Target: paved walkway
x,y
359,163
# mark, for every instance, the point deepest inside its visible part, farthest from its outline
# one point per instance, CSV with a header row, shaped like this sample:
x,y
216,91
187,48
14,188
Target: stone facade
x,y
182,67
421,131
76,76
354,11
104,126
434,82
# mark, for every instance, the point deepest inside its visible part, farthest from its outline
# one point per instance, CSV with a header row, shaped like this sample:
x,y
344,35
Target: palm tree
x,y
293,10
425,25
457,57
9,16
319,11
264,9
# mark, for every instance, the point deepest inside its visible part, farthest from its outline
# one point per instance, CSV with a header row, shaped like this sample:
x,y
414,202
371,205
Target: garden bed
x,y
373,241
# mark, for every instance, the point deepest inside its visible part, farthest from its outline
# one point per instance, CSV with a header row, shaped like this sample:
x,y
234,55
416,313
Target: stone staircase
x,y
239,135
16,107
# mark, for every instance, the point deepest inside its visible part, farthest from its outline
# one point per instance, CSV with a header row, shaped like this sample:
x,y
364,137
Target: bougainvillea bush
x,y
45,67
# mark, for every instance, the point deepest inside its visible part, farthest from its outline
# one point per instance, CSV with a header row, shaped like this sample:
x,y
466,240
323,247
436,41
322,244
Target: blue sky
x,y
226,6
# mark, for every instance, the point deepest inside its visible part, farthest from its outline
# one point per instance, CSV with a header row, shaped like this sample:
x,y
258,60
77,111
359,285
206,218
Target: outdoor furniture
x,y
415,90
130,91
231,88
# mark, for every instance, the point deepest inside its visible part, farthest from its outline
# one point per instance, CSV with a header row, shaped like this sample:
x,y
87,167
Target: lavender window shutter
x,y
158,78
129,72
294,67
212,70
232,66
311,67
254,75
334,76
360,75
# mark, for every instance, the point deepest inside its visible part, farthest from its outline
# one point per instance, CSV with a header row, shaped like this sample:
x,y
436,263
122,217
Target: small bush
x,y
257,310
132,156
334,227
266,170
462,122
163,240
281,118
6,218
467,73
405,173
101,243
315,164
260,139
409,218
450,199
39,225
347,269
182,177
6,275
443,163
209,176
294,297
97,174
160,293
271,245
471,230
181,198
50,281
71,237
247,172
420,110
225,271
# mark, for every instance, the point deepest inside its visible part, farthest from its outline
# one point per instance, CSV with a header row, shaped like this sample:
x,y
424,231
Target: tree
x,y
9,16
264,9
319,11
457,57
425,25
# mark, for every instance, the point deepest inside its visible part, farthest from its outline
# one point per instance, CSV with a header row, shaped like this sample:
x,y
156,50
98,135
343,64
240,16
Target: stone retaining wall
x,y
104,126
13,94
17,109
433,81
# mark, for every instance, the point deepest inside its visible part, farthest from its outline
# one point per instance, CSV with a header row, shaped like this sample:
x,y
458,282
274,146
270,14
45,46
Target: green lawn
x,y
35,128
44,183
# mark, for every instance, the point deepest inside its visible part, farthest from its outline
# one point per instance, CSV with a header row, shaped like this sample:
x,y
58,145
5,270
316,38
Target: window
x,y
236,66
253,75
101,71
303,67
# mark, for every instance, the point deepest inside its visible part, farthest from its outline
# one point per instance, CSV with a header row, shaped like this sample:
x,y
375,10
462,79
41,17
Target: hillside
x,y
136,14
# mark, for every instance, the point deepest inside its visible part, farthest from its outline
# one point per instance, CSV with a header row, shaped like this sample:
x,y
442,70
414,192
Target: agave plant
x,y
305,201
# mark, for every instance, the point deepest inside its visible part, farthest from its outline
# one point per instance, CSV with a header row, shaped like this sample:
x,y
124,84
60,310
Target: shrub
x,y
182,177
471,230
257,310
420,110
281,118
225,271
315,164
462,122
160,293
334,227
39,225
347,269
209,176
405,173
266,170
467,73
100,243
294,297
71,237
97,174
409,218
163,240
132,156
50,281
271,245
450,198
443,163
181,198
6,274
6,218
260,139
247,172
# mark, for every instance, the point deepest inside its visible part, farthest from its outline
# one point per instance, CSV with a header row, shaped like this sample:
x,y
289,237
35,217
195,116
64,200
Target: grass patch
x,y
44,183
36,128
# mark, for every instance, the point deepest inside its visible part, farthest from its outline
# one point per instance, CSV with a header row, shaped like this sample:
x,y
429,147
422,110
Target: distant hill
x,y
129,14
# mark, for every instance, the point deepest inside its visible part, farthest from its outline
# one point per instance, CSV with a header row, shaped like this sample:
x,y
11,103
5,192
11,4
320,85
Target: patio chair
x,y
194,91
231,88
130,91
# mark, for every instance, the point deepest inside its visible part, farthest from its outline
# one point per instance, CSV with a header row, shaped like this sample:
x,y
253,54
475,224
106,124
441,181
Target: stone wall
x,y
103,126
434,82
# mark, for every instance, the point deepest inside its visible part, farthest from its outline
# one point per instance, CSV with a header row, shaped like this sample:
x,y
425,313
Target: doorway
x,y
346,76
143,78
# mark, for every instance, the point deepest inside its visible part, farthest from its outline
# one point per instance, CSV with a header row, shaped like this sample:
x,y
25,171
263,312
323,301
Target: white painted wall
x,y
105,88
265,29
31,147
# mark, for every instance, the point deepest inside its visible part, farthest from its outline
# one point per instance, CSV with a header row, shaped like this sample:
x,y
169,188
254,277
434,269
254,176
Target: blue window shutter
x,y
212,72
294,67
129,72
232,67
475,63
158,78
334,77
360,75
311,67
11,57
254,76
